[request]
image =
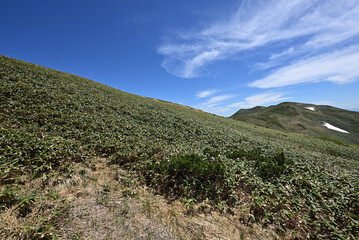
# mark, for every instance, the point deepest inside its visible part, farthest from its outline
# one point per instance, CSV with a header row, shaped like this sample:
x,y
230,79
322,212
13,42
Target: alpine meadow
x,y
307,119
59,131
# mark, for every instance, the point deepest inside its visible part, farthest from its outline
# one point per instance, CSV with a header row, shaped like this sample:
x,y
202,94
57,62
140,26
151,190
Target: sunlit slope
x,y
306,119
299,184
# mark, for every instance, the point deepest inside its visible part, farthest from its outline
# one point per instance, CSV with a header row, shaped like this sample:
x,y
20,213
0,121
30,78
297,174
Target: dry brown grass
x,y
104,202
112,204
36,215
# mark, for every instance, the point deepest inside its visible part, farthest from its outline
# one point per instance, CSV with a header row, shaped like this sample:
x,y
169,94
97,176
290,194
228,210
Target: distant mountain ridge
x,y
308,119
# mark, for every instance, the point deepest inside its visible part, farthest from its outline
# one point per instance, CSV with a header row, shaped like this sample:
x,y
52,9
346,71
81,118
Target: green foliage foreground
x,y
304,185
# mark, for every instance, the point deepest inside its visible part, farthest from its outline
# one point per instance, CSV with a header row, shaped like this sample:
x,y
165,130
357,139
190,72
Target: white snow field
x,y
328,125
310,108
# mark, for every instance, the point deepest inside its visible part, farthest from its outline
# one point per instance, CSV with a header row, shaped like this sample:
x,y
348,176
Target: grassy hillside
x,y
52,121
296,117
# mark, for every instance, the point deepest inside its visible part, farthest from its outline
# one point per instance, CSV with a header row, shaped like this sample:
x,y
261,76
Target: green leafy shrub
x,y
194,166
8,197
191,176
270,167
267,167
243,154
211,153
334,140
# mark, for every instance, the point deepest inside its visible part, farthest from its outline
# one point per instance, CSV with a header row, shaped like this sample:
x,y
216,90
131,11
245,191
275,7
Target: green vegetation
x,y
50,120
189,176
333,140
295,117
285,110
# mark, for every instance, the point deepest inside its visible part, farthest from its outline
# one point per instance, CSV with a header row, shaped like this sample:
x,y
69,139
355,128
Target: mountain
x,y
308,119
81,160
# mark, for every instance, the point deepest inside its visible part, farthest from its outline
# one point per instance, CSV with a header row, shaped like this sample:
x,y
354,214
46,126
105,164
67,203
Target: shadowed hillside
x,y
78,158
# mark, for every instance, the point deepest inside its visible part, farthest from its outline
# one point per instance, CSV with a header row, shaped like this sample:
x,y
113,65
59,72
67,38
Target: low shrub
x,y
190,176
8,197
270,167
334,140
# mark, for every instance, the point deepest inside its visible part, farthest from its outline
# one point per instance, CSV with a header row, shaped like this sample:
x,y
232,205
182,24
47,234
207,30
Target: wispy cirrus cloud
x,y
220,98
216,104
225,106
303,28
206,93
340,66
259,99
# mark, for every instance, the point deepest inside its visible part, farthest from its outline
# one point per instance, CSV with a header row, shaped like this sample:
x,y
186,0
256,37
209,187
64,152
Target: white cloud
x,y
284,53
323,102
206,93
259,99
340,66
352,105
215,104
301,26
218,99
223,104
199,60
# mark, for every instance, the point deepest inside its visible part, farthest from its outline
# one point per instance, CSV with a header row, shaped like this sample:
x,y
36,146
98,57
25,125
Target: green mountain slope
x,y
50,120
300,118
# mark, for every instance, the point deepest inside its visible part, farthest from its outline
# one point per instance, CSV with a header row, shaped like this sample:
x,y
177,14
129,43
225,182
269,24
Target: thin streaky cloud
x,y
352,105
323,103
259,99
340,66
219,98
284,53
198,61
215,104
224,105
206,93
314,25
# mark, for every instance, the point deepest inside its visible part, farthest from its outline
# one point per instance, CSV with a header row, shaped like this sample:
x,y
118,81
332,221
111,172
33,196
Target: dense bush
x,y
270,167
192,176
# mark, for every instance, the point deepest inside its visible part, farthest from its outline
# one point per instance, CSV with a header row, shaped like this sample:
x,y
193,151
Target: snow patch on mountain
x,y
310,108
328,125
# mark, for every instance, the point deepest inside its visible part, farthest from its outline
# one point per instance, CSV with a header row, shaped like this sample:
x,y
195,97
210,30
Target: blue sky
x,y
219,56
